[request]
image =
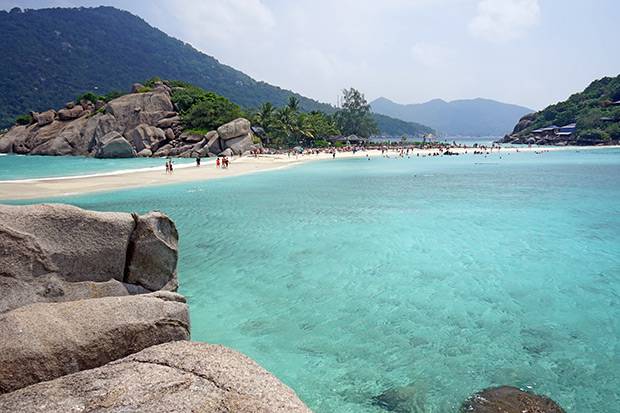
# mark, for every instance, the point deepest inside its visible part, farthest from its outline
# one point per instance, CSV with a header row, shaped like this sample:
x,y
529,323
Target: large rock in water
x,y
44,341
76,244
506,399
153,252
53,253
180,376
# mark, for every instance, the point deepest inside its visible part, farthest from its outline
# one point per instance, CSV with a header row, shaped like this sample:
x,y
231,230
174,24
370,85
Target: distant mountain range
x,y
50,56
469,117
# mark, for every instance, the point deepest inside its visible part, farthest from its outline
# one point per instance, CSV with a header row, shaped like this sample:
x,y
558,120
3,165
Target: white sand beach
x,y
73,185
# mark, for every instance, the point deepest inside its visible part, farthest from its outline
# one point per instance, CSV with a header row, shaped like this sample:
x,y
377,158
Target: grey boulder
x,y
41,342
77,244
54,252
136,108
181,377
44,118
238,127
240,145
153,252
114,145
70,113
145,136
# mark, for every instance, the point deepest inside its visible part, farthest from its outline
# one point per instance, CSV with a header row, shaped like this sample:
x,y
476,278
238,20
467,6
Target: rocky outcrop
x,y
508,399
41,342
77,130
62,349
54,253
524,123
180,376
142,123
139,108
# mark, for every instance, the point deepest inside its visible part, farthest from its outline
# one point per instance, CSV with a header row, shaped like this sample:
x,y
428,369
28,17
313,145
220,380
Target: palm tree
x,y
293,103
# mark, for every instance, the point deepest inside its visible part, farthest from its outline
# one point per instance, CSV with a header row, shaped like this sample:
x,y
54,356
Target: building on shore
x,y
347,140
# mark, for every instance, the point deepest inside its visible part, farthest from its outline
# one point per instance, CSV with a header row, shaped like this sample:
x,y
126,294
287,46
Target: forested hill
x,y
396,127
49,56
595,112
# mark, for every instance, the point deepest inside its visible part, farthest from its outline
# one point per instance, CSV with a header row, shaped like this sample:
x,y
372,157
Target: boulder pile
x,y
91,321
142,123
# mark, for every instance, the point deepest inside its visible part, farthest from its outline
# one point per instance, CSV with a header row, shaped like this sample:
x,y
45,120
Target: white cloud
x,y
503,20
221,21
431,55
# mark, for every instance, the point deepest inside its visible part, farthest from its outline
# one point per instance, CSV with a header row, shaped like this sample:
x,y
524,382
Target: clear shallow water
x,y
448,275
27,167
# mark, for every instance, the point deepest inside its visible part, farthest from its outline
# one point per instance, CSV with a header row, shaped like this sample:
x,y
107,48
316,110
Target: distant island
x,y
467,117
591,117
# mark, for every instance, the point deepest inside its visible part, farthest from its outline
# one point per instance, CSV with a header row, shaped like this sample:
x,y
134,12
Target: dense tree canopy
x,y
592,110
355,118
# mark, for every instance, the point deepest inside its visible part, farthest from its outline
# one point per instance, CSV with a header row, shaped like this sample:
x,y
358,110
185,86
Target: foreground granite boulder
x,y
174,377
44,341
153,252
69,241
506,399
54,253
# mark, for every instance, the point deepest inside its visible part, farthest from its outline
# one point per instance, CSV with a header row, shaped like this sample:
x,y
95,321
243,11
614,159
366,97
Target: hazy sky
x,y
529,52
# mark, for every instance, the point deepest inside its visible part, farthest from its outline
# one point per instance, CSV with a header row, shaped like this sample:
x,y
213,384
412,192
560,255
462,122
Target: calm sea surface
x,y
444,276
27,167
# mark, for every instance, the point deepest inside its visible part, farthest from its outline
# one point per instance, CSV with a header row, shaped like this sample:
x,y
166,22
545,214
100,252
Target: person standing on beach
x,y
198,161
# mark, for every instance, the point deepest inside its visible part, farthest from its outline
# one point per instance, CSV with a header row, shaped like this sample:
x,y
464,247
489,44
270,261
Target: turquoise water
x,y
26,167
446,275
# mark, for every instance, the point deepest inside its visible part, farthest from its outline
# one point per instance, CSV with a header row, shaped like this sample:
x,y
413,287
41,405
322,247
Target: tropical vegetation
x,y
593,110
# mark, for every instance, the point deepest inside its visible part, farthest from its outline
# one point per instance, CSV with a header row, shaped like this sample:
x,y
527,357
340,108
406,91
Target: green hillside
x,y
596,116
396,127
49,56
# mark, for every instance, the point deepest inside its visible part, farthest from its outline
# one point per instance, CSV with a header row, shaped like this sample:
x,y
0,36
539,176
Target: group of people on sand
x,y
223,163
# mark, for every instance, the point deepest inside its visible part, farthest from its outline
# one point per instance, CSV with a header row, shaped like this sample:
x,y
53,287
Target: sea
x,y
402,284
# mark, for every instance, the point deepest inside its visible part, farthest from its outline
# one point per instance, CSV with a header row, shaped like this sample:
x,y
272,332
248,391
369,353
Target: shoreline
x,y
49,187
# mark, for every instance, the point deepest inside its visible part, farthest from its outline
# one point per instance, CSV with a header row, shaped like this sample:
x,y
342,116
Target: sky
x,y
528,52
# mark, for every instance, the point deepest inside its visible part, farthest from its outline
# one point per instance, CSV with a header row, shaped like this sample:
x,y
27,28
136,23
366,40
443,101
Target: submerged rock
x,y
180,376
507,399
44,341
406,399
